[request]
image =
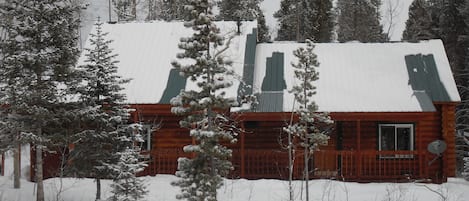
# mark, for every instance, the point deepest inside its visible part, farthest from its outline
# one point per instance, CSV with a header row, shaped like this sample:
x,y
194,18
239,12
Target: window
x,y
146,136
394,137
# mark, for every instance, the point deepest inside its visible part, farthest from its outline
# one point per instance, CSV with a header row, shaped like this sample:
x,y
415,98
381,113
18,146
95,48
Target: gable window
x,y
396,137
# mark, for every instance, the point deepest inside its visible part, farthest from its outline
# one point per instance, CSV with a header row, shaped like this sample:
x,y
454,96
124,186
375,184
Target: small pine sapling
x,y
307,127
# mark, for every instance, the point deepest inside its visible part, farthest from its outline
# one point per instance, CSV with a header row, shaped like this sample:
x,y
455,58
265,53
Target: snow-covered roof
x,y
367,77
146,50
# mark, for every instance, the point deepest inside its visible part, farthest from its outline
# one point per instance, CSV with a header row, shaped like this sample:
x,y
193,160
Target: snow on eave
x,y
146,49
361,77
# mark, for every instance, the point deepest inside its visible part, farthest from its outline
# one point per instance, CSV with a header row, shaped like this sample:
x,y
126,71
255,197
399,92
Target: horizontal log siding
x,y
448,128
264,157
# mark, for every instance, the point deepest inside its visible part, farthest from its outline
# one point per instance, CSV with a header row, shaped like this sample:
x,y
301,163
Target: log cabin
x,y
389,101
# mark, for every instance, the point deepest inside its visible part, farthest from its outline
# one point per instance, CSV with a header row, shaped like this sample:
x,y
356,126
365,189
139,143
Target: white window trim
x,y
396,126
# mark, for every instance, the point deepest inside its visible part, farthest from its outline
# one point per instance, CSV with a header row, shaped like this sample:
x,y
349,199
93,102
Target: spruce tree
x,y
169,10
37,70
305,19
288,21
460,73
126,186
106,115
419,24
359,20
125,10
466,168
263,34
307,128
201,176
245,10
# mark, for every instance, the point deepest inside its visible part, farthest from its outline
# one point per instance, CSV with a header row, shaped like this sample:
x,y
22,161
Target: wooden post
x,y
242,141
420,150
359,156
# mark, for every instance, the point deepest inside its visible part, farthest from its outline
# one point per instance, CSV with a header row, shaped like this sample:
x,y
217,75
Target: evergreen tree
x,y
263,34
323,21
305,19
125,10
359,20
288,21
419,24
307,129
238,10
461,51
201,176
466,168
39,54
106,114
245,10
126,186
169,10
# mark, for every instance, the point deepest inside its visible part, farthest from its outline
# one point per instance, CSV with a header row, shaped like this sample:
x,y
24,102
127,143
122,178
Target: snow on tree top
x,y
146,50
367,77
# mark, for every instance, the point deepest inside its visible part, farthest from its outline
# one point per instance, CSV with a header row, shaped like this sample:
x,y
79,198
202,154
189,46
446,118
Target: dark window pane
x,y
387,138
403,139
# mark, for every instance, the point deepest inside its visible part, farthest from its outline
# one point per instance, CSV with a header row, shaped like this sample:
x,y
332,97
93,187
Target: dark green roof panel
x,y
424,76
176,83
274,76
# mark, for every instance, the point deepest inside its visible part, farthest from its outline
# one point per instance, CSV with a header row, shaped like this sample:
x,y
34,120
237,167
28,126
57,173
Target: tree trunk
x,y
306,170
134,9
39,176
98,189
16,166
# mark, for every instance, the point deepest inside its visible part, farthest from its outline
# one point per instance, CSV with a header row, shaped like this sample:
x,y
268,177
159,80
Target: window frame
x,y
396,126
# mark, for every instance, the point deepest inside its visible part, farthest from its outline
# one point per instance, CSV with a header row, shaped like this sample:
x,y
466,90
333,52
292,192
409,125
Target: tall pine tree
x,y
39,54
359,20
419,24
201,176
305,19
106,115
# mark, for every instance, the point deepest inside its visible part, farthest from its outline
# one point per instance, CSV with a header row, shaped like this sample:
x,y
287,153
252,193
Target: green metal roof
x,y
271,97
423,76
274,76
176,83
245,87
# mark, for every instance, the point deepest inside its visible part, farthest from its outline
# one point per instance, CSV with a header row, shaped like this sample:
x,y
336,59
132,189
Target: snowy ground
x,y
160,189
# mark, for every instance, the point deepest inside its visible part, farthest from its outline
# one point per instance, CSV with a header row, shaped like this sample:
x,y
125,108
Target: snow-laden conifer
x,y
39,53
125,10
106,114
305,19
169,10
126,185
203,108
359,20
307,127
419,24
245,10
